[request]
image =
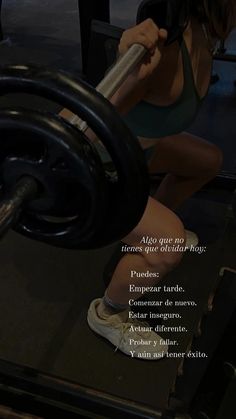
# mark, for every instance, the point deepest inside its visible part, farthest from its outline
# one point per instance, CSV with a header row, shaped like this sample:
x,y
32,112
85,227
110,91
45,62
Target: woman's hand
x,y
151,37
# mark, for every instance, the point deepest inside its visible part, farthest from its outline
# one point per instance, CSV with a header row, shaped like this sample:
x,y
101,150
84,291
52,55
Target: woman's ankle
x,y
107,307
103,311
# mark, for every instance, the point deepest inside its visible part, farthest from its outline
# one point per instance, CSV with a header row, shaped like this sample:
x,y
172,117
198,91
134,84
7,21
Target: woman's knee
x,y
213,160
159,227
169,251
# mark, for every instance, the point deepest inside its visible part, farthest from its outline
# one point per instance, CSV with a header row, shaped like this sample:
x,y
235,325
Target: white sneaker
x,y
191,239
130,336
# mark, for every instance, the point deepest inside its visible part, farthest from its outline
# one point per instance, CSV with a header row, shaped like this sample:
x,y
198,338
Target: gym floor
x,y
45,291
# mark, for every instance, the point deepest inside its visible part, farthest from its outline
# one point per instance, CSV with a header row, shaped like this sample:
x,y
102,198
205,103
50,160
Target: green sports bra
x,y
152,121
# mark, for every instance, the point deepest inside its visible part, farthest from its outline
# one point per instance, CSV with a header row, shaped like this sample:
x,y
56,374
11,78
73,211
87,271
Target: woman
x,y
158,101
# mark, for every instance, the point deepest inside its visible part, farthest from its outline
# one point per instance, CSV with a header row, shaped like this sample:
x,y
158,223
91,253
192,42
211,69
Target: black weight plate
x,y
128,192
69,174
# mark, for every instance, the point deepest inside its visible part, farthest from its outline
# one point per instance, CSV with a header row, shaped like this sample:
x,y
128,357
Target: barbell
x,y
54,186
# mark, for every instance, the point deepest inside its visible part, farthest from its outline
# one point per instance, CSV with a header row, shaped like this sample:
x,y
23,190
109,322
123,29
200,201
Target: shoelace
x,y
126,327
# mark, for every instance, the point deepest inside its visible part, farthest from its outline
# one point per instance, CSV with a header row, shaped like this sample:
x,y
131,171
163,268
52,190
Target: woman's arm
x,y
137,83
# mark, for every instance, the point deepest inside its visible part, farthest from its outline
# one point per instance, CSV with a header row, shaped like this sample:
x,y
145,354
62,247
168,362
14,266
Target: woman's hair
x,y
219,15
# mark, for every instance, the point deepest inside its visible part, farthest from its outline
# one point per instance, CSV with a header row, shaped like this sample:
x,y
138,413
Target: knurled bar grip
x,y
115,77
11,206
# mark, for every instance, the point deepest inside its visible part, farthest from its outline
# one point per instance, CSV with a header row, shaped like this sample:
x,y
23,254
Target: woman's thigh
x,y
184,155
